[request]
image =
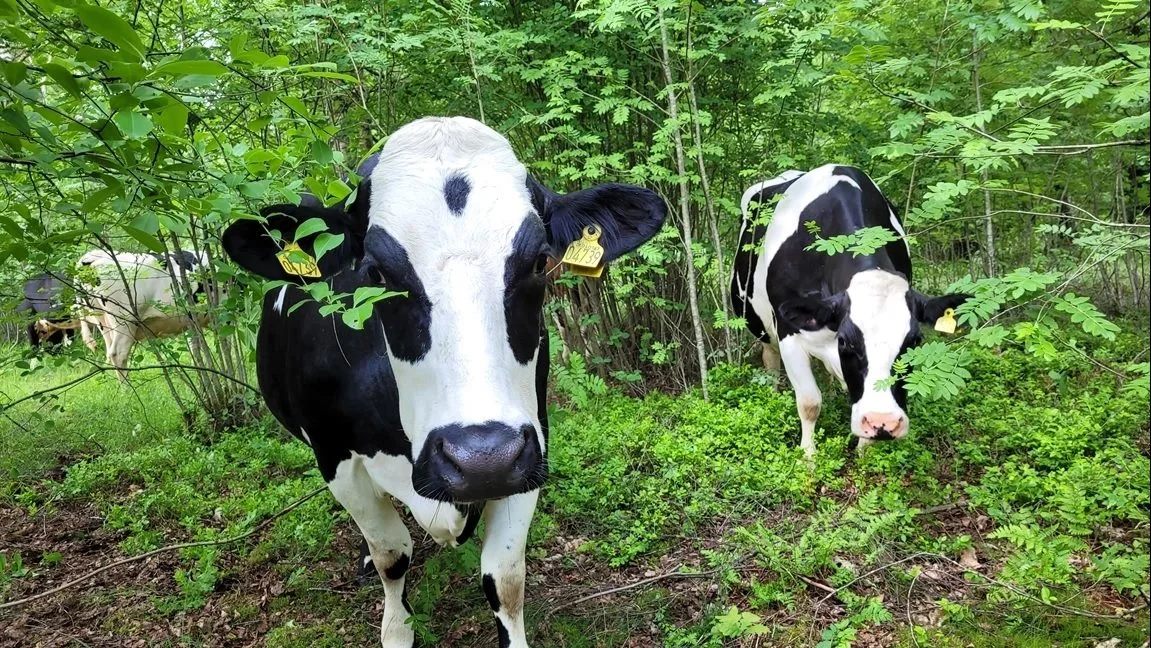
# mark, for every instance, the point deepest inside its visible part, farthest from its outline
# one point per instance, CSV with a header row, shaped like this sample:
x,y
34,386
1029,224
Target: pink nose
x,y
883,426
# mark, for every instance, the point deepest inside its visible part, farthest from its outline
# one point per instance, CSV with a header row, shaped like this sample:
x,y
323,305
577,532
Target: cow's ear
x,y
812,313
251,243
625,215
928,309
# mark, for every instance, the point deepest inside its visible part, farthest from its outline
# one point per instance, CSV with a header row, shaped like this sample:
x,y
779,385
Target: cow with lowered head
x,y
855,314
440,400
131,297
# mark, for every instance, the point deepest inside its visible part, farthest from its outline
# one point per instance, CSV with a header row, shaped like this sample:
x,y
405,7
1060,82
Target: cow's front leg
x,y
506,523
389,544
123,336
808,399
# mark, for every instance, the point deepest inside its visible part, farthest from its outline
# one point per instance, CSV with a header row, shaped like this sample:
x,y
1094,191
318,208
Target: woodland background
x,y
1012,135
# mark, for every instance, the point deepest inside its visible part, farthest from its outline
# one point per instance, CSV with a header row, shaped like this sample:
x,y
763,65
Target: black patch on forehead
x,y
524,289
407,320
456,190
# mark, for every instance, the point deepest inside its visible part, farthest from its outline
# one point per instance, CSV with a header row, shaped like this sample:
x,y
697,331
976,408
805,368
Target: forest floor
x,y
1016,514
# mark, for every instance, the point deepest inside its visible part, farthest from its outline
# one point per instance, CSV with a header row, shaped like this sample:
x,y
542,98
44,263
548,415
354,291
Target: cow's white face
x,y
878,328
451,222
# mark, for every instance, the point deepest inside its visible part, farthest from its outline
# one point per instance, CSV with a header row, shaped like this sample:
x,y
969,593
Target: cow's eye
x,y
374,274
541,263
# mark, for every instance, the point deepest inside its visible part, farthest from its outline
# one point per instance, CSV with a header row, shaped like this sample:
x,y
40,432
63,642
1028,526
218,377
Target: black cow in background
x,y
42,302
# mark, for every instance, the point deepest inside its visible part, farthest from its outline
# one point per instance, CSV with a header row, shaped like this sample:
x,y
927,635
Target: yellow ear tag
x,y
584,255
297,262
946,323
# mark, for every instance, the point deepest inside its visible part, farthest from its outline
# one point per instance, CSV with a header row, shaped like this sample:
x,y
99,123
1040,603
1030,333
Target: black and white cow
x,y
855,314
440,400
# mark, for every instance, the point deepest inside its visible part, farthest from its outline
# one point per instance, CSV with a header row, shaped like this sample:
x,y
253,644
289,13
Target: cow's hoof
x,y
395,633
366,576
808,460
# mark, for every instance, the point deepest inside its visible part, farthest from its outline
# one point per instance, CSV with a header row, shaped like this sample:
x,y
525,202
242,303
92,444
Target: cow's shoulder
x,y
329,384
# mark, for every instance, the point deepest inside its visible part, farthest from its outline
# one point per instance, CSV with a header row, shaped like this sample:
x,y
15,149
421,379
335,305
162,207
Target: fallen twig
x,y
816,584
631,586
855,580
185,545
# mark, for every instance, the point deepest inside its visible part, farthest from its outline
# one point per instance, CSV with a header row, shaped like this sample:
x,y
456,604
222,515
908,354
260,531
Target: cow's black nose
x,y
471,463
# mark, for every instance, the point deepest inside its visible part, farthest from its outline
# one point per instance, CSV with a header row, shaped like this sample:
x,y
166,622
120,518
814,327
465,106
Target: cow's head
x,y
449,217
875,320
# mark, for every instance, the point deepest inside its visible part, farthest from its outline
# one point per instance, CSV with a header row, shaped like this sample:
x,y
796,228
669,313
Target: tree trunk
x,y
988,227
712,221
684,207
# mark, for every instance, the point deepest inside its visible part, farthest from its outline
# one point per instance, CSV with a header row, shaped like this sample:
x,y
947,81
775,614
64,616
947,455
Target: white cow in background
x,y
133,298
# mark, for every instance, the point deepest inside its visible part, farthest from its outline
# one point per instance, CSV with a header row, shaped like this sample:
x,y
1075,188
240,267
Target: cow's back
x,y
836,200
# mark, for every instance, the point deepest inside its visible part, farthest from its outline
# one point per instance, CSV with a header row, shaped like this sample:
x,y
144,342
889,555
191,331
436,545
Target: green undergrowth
x,y
60,408
1051,452
1019,506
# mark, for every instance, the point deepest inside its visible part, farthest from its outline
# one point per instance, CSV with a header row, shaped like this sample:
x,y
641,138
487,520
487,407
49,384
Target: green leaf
x,y
276,62
203,67
173,118
364,293
133,124
147,222
64,79
254,190
17,118
321,152
310,226
147,240
356,317
338,190
326,241
97,199
113,29
297,106
15,72
989,336
1084,313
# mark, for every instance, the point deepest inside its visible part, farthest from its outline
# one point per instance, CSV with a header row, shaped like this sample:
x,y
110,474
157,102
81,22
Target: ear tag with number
x,y
946,323
297,262
584,255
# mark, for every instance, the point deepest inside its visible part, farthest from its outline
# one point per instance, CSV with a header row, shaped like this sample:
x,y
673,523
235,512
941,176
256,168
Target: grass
x,y
1015,515
92,417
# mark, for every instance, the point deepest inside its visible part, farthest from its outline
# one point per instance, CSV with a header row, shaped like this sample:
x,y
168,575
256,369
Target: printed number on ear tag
x,y
946,323
584,255
297,262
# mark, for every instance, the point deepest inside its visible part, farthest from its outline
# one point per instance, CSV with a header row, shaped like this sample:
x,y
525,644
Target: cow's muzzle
x,y
475,463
